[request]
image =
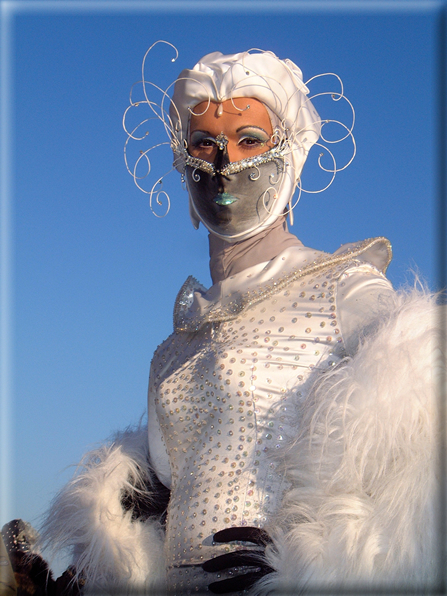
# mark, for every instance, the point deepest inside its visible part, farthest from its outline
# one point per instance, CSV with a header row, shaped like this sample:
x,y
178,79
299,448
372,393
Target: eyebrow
x,y
251,126
240,129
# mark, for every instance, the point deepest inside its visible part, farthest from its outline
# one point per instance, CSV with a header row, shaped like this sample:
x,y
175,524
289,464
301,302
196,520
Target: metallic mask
x,y
233,198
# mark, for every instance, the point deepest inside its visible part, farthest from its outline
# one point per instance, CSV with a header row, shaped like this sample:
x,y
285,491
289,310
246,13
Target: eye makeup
x,y
198,137
253,132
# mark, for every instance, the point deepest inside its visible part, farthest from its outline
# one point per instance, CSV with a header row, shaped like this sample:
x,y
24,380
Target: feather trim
x,y
111,550
364,507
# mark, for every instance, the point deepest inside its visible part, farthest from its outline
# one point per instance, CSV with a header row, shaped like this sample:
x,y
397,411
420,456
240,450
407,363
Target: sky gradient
x,y
94,275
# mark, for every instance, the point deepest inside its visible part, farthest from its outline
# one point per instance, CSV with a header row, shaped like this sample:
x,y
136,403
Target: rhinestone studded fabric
x,y
225,393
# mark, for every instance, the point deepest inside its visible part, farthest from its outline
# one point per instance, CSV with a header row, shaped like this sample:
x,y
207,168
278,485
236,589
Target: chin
x,y
223,217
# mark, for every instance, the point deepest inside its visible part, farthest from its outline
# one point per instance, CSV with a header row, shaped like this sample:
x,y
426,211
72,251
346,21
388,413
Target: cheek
x,y
238,152
203,188
254,189
205,153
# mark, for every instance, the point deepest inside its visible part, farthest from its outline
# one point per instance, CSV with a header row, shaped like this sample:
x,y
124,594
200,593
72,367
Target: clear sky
x,y
95,274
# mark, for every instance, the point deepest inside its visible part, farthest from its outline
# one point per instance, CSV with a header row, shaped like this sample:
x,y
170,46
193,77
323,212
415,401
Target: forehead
x,y
230,115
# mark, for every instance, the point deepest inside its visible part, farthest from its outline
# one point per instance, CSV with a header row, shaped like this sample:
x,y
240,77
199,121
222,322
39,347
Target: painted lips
x,y
225,199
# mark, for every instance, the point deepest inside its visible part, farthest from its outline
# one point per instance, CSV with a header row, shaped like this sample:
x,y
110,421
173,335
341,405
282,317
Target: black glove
x,y
239,558
32,574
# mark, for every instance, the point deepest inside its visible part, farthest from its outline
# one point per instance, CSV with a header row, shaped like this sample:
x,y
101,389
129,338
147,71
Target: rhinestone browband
x,y
236,166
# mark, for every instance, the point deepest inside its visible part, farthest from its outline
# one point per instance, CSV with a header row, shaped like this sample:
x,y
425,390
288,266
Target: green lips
x,y
225,199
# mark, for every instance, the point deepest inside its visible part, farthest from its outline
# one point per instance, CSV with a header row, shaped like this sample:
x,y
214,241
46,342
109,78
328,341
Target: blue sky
x,y
94,274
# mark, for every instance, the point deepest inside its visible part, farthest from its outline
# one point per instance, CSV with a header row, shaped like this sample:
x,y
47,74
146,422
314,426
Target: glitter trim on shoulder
x,y
184,321
185,299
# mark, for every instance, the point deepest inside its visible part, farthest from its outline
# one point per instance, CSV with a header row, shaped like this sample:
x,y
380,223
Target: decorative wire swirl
x,y
156,196
272,176
266,199
255,175
336,96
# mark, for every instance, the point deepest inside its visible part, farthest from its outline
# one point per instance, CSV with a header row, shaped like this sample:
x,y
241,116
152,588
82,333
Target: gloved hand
x,y
32,574
239,558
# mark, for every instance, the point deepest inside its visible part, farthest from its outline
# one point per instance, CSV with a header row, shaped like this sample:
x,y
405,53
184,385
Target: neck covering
x,y
228,259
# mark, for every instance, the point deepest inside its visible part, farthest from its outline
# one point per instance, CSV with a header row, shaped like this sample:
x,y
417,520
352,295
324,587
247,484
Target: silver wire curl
x,y
156,196
272,176
255,175
159,193
335,96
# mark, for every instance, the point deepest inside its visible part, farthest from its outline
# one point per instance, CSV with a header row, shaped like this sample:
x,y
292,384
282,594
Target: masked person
x,y
278,440
223,387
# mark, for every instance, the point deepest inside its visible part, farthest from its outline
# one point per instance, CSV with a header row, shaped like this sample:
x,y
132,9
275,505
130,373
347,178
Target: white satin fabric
x,y
224,387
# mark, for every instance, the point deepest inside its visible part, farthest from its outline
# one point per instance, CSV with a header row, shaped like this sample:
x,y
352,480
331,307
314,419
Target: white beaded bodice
x,y
223,393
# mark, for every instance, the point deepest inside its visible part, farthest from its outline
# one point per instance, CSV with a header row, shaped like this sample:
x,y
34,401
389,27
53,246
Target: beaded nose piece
x,y
221,141
221,159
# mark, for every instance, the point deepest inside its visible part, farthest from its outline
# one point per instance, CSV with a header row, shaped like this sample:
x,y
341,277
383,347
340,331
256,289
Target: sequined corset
x,y
224,399
224,389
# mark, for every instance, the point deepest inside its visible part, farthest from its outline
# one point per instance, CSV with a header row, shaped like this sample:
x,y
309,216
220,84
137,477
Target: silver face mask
x,y
231,198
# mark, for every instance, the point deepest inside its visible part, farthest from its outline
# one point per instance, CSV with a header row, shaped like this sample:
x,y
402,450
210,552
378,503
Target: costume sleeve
x,y
363,299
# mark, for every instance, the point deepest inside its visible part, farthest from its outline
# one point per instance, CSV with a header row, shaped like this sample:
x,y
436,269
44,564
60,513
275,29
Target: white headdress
x,y
278,84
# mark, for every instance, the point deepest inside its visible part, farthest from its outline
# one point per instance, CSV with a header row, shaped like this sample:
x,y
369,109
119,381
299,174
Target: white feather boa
x,y
111,551
363,509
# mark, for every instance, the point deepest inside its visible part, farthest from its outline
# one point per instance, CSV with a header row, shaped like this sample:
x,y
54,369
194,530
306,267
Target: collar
x,y
226,300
